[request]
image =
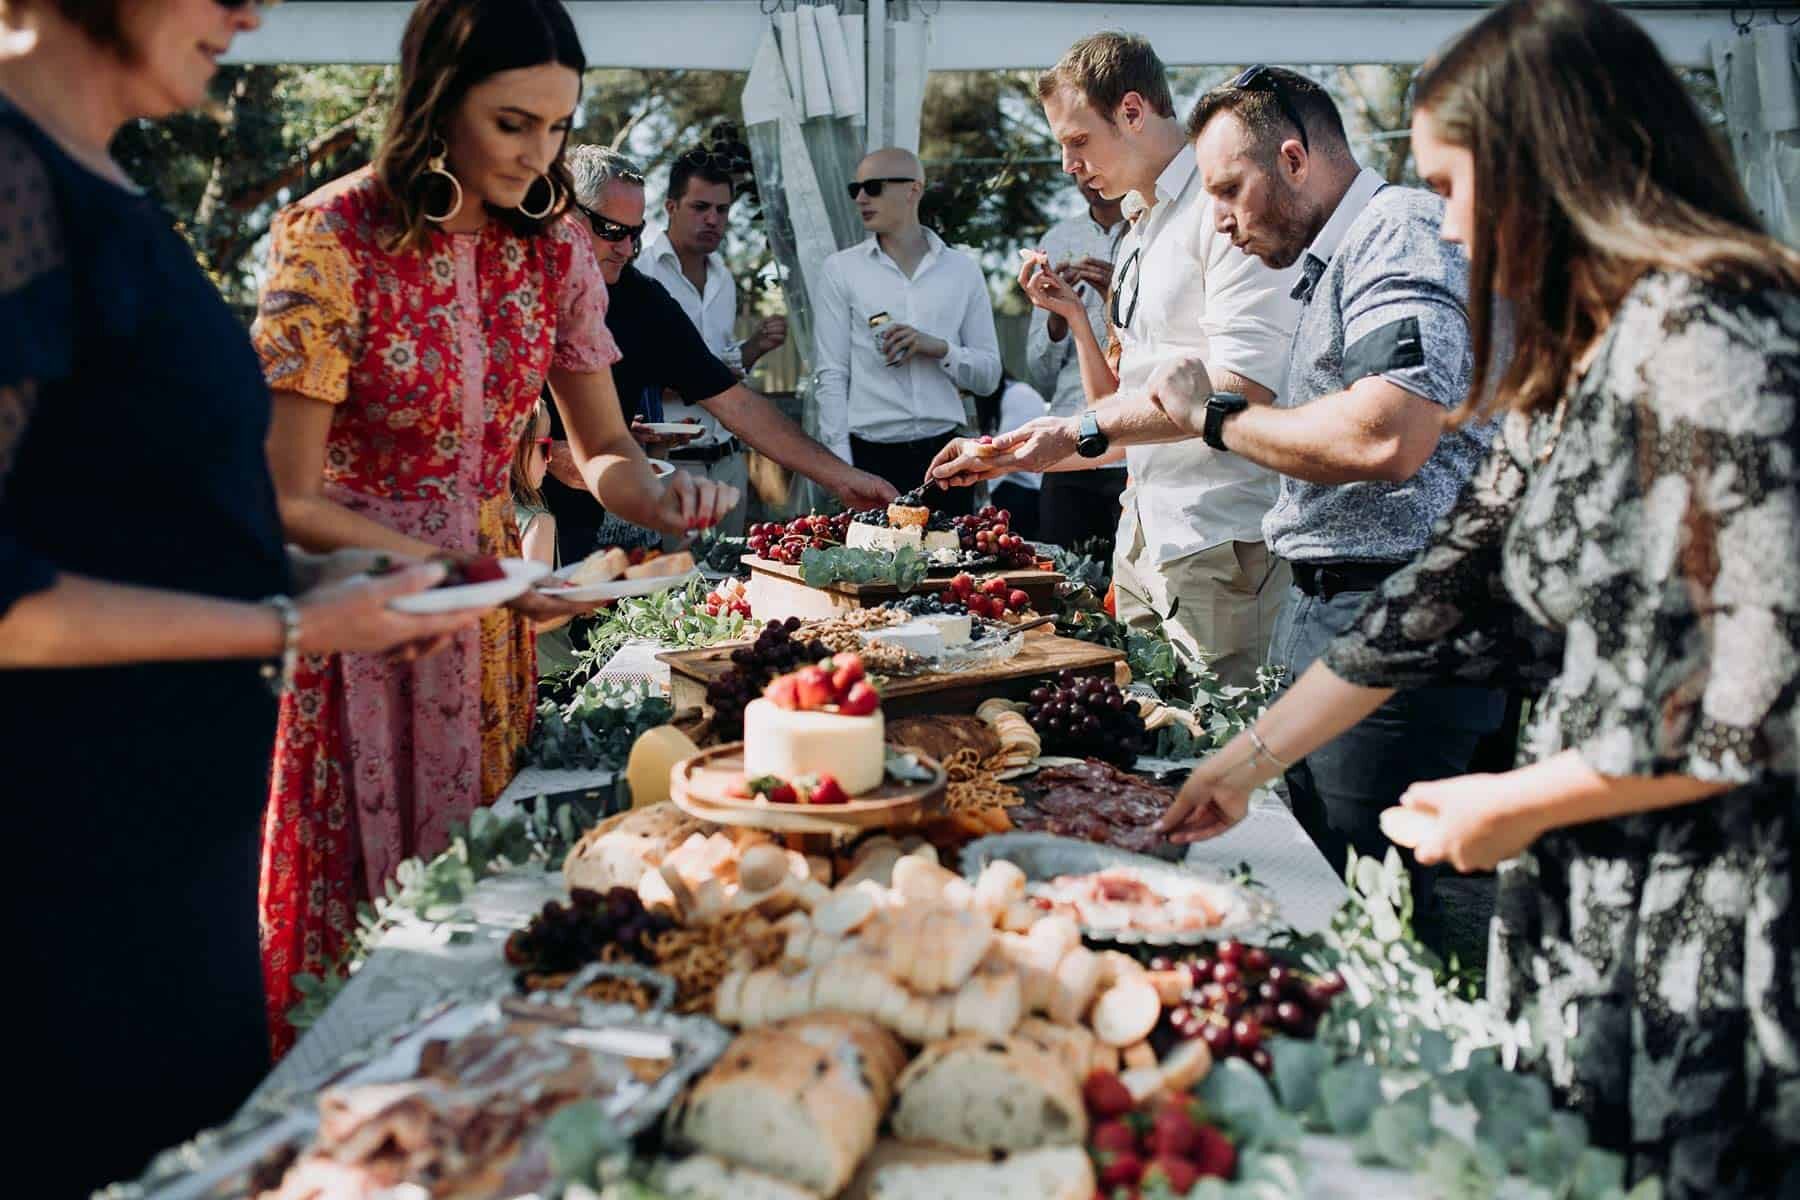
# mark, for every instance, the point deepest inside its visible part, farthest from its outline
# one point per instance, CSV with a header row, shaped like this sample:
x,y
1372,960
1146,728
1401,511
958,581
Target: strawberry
x,y
1177,1174
963,584
738,789
1112,1137
782,793
814,685
829,791
784,692
994,587
485,569
849,670
1105,1095
1123,1169
1214,1154
1018,601
861,702
1175,1134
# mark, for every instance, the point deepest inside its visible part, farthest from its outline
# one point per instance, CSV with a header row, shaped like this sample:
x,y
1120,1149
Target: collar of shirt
x,y
1176,176
1344,215
934,249
665,263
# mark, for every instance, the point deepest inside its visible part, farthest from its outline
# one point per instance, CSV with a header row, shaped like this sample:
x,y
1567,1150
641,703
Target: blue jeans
x,y
1339,790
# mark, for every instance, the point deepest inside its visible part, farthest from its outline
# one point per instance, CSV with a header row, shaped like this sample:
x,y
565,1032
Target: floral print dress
x,y
432,359
1642,564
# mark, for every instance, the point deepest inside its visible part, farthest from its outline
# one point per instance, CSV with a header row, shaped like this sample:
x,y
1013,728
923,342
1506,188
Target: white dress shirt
x,y
714,314
1197,294
856,389
1054,365
1019,403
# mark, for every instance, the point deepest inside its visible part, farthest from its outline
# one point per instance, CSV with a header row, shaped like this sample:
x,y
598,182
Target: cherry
x,y
1256,959
1229,951
1225,971
1247,1034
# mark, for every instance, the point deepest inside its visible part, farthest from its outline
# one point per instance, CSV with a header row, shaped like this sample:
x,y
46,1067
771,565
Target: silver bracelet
x,y
281,678
1262,748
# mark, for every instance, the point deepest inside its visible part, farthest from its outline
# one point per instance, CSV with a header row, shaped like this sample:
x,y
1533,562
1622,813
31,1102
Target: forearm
x,y
618,475
1563,790
318,523
763,427
1316,709
1371,432
1097,378
83,622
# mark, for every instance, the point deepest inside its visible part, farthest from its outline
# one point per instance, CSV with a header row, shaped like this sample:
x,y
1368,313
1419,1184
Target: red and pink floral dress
x,y
432,359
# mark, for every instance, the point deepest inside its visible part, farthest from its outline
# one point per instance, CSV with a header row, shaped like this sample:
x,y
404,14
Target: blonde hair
x,y
522,490
1103,68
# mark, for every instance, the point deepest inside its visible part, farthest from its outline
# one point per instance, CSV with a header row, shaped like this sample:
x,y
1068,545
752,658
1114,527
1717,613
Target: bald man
x,y
902,322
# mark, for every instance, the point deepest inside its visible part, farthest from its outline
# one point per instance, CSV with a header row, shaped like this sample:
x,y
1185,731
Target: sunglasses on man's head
x,y
700,157
613,231
1261,79
874,186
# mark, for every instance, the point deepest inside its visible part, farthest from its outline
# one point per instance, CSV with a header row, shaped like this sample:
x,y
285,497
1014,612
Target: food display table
x,y
777,591
416,965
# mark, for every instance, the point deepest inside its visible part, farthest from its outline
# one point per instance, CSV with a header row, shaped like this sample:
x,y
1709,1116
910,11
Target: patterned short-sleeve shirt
x,y
1384,295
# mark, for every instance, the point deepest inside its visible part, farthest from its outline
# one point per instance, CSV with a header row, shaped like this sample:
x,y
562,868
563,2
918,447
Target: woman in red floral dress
x,y
412,314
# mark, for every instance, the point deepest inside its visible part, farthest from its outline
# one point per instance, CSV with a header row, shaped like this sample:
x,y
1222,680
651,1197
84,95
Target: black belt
x,y
1327,579
917,446
705,454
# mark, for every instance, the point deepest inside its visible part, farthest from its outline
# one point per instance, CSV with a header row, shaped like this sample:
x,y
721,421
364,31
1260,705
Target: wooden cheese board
x,y
777,592
699,787
691,671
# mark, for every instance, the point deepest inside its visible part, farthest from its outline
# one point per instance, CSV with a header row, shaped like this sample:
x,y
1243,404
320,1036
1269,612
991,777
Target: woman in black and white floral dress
x,y
1632,548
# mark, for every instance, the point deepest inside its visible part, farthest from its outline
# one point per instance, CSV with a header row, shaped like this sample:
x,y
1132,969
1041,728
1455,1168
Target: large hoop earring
x,y
555,199
435,166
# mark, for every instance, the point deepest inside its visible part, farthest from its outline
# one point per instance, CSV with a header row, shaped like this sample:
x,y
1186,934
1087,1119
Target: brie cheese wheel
x,y
877,537
942,539
955,628
789,744
917,636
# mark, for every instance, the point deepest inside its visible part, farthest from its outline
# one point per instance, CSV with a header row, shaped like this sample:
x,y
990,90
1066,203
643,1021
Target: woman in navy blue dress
x,y
144,589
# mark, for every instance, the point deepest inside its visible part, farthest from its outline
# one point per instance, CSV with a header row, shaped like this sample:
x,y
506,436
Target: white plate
x,y
661,468
618,589
672,428
520,575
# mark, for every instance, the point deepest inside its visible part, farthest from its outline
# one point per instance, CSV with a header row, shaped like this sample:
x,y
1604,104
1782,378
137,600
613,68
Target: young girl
x,y
537,533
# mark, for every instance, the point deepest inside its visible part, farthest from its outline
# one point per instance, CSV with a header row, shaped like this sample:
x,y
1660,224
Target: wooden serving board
x,y
698,786
691,671
777,592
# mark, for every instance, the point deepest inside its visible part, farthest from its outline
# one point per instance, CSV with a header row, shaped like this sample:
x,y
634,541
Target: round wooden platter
x,y
698,787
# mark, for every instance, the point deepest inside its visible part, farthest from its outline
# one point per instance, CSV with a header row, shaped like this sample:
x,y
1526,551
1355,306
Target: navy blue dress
x,y
132,420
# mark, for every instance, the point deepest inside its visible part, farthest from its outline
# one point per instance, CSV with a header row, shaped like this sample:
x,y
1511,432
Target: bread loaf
x,y
987,1094
703,1177
800,1100
1063,1173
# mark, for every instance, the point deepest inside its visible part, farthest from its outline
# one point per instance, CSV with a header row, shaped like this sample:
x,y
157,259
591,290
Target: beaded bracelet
x,y
1262,748
281,677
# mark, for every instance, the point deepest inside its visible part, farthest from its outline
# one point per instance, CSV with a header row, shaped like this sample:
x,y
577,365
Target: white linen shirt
x,y
1197,294
714,314
1054,366
856,389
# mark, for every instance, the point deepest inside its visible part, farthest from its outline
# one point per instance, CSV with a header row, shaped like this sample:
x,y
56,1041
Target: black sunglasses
x,y
717,160
1128,277
873,186
612,231
1261,79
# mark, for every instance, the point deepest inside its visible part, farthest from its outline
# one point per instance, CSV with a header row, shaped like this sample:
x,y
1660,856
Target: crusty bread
x,y
1060,1173
1072,988
989,1004
703,1177
602,566
618,851
800,1100
679,563
989,1094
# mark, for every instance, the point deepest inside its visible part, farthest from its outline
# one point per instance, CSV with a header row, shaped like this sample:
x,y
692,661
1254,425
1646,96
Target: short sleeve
x,y
1404,301
1251,313
36,334
308,325
1445,618
583,342
1684,651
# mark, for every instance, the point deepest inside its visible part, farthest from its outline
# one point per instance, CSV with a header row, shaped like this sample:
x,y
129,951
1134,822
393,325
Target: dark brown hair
x,y
98,19
1592,168
1259,108
449,47
1105,67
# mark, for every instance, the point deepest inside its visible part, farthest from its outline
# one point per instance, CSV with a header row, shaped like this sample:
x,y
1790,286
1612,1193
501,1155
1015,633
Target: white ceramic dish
x,y
672,428
661,468
520,575
618,589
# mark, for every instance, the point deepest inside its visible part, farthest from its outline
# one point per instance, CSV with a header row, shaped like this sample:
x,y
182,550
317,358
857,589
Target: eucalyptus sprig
x,y
905,568
595,730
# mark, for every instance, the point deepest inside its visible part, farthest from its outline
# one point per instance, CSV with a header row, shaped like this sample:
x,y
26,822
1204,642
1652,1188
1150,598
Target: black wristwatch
x,y
1089,441
1220,405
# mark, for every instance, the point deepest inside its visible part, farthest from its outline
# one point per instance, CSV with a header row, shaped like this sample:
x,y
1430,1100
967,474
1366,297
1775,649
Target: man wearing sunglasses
x,y
664,351
1190,558
685,260
903,322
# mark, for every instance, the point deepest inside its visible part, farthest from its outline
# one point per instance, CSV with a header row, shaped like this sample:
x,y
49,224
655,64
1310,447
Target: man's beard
x,y
1291,228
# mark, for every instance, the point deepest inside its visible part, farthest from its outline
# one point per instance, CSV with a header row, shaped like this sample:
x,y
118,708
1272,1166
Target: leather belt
x,y
1327,579
705,454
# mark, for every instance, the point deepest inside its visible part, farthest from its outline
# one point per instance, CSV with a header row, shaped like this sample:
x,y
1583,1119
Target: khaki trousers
x,y
1225,599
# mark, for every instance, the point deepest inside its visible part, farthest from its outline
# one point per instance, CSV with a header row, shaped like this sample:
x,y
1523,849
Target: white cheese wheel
x,y
790,745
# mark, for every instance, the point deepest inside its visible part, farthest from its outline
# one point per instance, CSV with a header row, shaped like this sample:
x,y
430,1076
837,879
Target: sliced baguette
x,y
1126,1012
988,1094
1058,1173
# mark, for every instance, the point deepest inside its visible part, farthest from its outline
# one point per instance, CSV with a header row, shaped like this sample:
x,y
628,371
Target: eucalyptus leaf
x,y
1236,1093
1598,1174
906,768
1351,1092
1266,1166
1298,1067
1402,1132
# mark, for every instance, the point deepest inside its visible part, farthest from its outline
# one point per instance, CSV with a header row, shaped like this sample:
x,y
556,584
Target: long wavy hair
x,y
449,47
1592,168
